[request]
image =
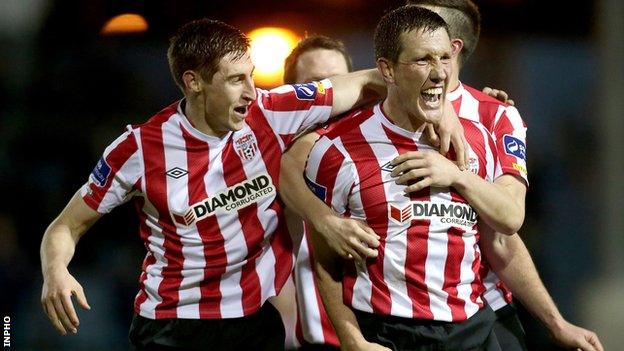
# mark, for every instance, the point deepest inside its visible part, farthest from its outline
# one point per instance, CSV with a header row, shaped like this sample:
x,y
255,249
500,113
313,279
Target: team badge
x,y
473,165
246,146
514,146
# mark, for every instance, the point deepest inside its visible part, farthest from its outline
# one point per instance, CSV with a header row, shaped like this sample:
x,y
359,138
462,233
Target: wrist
x,y
53,268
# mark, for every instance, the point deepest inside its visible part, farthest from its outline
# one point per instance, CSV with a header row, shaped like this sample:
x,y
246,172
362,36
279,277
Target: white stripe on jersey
x,y
178,200
156,244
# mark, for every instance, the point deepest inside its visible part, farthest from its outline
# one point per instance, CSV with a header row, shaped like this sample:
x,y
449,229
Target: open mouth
x,y
241,110
432,96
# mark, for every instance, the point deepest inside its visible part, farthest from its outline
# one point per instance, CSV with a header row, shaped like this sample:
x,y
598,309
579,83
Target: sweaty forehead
x,y
425,42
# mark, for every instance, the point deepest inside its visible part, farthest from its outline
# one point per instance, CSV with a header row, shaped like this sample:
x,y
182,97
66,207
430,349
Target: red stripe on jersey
x,y
417,236
198,161
144,233
156,191
477,143
288,101
253,232
115,159
457,104
488,106
359,149
452,272
281,242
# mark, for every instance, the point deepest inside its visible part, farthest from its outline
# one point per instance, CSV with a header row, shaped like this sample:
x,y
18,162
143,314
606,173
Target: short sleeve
x,y
510,137
330,174
114,177
291,108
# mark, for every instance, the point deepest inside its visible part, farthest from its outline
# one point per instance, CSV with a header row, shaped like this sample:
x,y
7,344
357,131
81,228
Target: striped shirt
x,y
217,244
509,133
429,259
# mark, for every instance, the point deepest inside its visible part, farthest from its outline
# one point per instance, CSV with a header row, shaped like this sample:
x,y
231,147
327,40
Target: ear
x,y
192,81
386,69
456,46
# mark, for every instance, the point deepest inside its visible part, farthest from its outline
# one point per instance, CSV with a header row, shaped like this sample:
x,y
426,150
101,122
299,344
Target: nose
x,y
249,90
438,73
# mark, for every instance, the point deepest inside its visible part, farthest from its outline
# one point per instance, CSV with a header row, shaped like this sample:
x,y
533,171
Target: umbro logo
x,y
388,167
176,172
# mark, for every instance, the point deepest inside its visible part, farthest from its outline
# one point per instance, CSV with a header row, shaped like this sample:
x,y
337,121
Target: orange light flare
x,y
127,23
269,48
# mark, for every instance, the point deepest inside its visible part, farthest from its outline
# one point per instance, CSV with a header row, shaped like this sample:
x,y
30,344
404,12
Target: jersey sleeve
x,y
330,174
114,177
510,136
291,108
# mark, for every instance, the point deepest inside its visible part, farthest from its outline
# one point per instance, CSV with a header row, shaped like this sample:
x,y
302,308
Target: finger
x,y
81,298
407,156
419,185
408,165
68,306
487,90
363,250
503,96
445,144
368,236
510,102
352,254
414,174
594,340
461,152
62,316
432,135
466,152
49,308
586,346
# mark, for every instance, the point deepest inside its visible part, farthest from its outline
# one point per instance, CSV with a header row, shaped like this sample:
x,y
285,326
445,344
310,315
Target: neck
x,y
454,79
400,116
196,114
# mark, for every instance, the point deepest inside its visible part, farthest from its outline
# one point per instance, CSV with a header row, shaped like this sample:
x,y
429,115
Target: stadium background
x,y
66,92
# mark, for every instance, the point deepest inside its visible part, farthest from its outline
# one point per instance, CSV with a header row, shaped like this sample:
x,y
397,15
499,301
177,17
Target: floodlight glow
x,y
269,48
126,23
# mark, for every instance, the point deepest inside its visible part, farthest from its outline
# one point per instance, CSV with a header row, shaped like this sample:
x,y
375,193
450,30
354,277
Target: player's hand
x,y
58,288
424,169
349,238
447,132
572,337
499,95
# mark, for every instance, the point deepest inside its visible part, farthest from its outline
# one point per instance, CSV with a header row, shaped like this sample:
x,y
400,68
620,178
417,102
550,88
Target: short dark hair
x,y
199,45
308,44
464,21
399,21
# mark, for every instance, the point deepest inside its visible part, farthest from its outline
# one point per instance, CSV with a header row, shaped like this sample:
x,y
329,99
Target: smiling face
x,y
229,94
421,74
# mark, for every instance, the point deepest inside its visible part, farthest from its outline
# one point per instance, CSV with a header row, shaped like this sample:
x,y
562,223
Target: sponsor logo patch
x,y
519,167
452,214
514,146
176,173
101,172
318,190
307,91
246,146
234,198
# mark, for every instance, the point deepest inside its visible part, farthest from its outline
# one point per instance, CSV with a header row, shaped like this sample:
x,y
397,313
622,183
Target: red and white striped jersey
x,y
509,133
429,258
217,244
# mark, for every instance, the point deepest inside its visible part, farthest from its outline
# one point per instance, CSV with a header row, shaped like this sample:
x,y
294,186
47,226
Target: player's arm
x,y
490,200
57,249
347,237
328,267
512,263
355,89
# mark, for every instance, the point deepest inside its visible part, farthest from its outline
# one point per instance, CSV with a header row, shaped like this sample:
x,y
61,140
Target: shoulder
x,y
482,97
346,123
